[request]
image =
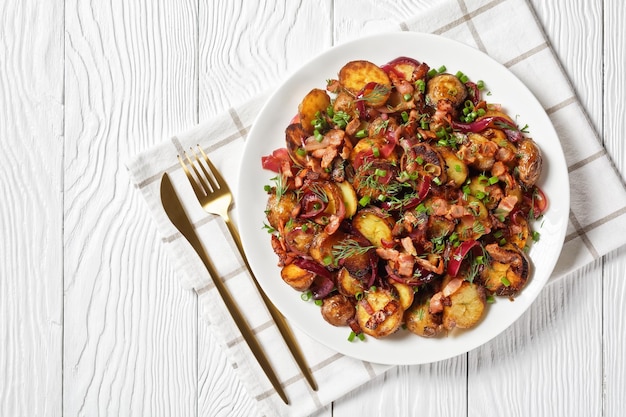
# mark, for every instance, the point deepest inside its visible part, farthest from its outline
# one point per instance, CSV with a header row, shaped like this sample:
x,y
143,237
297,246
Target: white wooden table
x,y
92,318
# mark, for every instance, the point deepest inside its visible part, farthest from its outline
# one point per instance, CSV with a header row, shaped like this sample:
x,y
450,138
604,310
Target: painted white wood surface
x,y
92,319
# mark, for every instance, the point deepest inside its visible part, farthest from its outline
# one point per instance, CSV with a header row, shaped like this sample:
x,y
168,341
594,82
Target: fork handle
x,y
278,318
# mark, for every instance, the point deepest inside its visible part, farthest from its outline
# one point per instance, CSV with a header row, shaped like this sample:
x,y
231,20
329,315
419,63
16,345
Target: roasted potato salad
x,y
402,197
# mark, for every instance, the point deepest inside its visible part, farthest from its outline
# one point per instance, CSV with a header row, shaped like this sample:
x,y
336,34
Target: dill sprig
x,y
376,95
348,248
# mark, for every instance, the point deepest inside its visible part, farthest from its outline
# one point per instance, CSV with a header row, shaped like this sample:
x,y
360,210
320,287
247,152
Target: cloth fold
x,y
509,32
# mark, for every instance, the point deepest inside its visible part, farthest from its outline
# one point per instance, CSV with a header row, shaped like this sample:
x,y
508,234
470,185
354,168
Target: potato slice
x,y
347,284
421,321
294,138
356,75
445,87
507,271
298,278
338,310
349,198
315,101
321,249
386,313
467,305
279,210
374,227
456,169
405,293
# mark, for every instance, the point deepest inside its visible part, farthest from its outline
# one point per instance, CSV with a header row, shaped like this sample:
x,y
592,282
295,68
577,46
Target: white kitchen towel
x,y
508,31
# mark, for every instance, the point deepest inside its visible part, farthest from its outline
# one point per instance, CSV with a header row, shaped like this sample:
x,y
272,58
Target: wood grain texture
x,y
93,320
31,208
614,290
130,330
248,48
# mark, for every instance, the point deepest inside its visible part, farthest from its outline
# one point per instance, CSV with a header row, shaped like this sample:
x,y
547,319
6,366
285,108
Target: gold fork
x,y
216,198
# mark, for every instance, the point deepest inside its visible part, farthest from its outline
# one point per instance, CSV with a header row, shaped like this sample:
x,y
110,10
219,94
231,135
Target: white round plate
x,y
267,134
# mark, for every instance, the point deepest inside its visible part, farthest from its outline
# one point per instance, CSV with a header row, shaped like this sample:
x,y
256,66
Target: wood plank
x,y
248,48
130,330
613,116
31,208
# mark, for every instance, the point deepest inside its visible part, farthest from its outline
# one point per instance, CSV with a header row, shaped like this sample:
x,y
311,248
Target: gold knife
x,y
176,213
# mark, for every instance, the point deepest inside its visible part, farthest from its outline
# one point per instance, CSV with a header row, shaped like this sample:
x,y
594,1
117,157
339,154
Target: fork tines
x,y
205,175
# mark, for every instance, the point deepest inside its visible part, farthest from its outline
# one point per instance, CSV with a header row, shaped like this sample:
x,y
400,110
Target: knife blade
x,y
176,213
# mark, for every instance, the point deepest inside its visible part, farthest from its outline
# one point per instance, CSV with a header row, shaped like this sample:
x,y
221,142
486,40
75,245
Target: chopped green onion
x,y
301,151
318,302
405,116
505,281
458,74
464,78
306,296
364,201
490,299
380,172
437,180
267,188
441,69
361,336
535,236
351,336
318,136
493,180
407,97
458,168
376,152
432,72
327,260
480,84
361,134
420,85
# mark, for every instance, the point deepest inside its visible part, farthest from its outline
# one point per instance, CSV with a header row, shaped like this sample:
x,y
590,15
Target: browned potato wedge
x,y
321,249
529,162
298,235
421,321
374,227
315,101
347,284
428,161
445,87
356,75
508,270
386,313
467,305
294,138
373,179
298,278
349,198
456,170
405,293
279,210
338,310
